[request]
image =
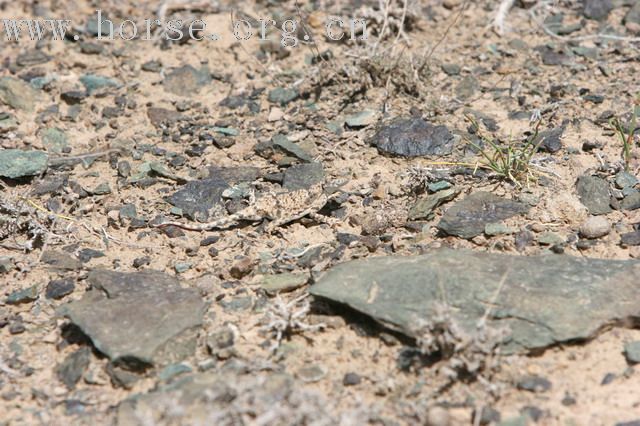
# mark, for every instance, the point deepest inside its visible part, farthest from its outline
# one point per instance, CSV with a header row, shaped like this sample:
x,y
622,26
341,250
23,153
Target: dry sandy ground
x,y
385,78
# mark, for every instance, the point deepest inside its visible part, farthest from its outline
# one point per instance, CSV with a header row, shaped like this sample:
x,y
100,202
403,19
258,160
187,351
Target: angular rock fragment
x,y
140,318
413,137
423,208
550,140
15,163
542,300
468,218
594,194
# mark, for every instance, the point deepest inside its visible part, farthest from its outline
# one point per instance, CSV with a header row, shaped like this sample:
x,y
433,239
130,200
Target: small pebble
x,y
351,379
534,384
212,239
595,227
438,416
632,352
608,378
242,267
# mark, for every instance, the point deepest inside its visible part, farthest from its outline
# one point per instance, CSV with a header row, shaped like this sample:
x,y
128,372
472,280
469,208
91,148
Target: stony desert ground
x,y
433,221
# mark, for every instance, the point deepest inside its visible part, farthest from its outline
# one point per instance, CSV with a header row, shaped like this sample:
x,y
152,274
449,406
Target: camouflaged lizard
x,y
279,208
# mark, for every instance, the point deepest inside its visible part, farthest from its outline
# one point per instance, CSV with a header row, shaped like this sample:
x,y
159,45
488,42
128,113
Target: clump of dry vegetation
x,y
464,356
282,319
18,218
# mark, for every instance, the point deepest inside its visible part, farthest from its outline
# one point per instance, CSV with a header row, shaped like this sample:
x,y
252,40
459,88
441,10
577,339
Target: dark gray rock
x,y
15,163
57,289
594,194
632,352
73,367
534,384
280,145
86,254
550,140
186,80
89,48
303,176
351,379
97,83
138,318
468,218
23,296
151,66
451,69
73,97
597,9
631,201
631,423
488,416
630,239
399,292
96,28
60,260
122,377
625,179
424,208
32,57
282,96
8,122
413,137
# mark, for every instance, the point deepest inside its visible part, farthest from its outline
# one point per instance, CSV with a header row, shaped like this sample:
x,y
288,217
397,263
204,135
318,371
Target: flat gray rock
x,y
424,207
468,218
544,300
138,318
15,163
303,176
594,194
413,137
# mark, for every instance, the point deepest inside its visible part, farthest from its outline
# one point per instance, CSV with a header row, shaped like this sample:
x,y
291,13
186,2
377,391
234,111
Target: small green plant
x,y
511,161
627,135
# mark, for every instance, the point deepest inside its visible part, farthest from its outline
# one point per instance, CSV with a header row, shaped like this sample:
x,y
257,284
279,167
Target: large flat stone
x,y
544,300
15,163
138,318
